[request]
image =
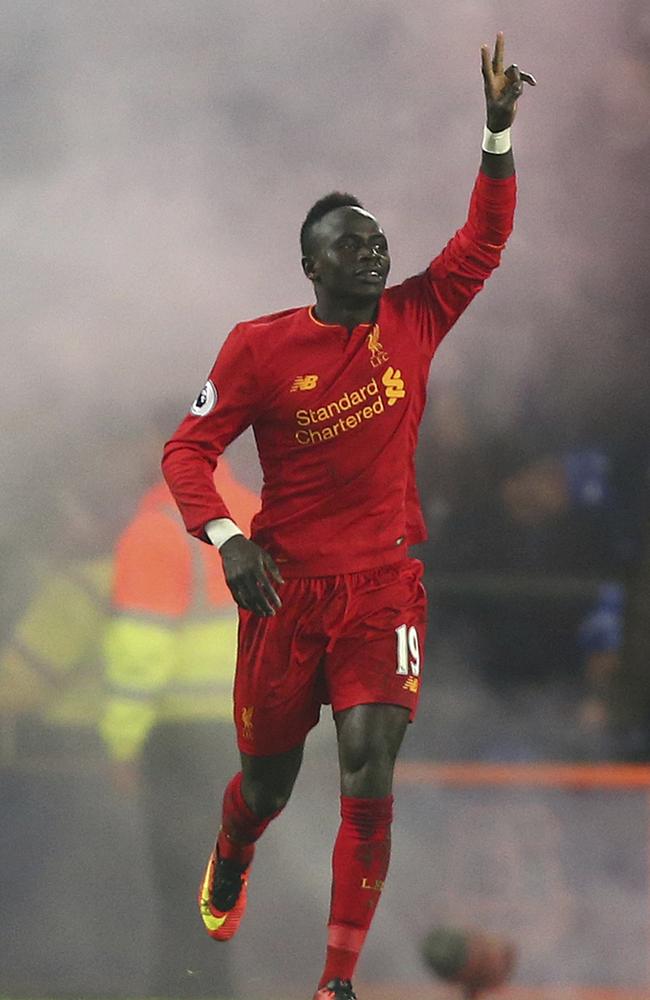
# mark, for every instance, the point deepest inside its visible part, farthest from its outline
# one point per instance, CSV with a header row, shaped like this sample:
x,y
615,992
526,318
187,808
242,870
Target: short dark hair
x,y
336,199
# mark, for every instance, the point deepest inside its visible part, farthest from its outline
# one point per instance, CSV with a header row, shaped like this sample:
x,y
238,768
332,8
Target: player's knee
x,y
268,781
368,752
369,738
368,758
368,774
266,801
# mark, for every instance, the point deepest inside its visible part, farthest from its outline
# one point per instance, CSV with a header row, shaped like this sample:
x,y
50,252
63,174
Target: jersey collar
x,y
336,326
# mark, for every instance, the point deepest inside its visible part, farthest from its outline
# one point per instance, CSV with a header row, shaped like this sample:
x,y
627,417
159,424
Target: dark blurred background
x,y
157,160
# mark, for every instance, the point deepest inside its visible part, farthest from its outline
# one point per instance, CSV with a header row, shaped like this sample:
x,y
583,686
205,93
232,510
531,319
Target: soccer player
x,y
331,607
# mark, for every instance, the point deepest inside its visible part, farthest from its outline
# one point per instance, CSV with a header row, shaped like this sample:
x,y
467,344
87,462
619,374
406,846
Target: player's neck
x,y
342,313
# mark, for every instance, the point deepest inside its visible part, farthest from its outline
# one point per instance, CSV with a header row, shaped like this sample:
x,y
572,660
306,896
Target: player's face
x,y
350,258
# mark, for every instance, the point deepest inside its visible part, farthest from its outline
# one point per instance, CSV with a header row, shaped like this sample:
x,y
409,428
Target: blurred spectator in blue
x,y
600,638
531,511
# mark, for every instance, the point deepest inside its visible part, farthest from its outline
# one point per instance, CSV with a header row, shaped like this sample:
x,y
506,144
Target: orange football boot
x,y
222,897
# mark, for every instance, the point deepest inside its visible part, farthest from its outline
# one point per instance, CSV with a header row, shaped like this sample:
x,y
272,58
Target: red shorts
x,y
354,639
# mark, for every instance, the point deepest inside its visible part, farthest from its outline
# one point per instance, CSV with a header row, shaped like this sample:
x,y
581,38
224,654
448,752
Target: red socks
x,y
240,827
359,867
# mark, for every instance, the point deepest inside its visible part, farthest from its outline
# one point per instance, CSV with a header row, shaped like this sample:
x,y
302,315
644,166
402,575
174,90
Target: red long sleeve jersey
x,y
336,413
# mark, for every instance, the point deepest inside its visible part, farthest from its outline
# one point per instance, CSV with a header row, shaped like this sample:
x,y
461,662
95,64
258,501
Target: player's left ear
x,y
309,267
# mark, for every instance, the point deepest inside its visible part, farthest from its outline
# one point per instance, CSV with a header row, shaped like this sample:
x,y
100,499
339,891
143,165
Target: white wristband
x,y
220,530
496,142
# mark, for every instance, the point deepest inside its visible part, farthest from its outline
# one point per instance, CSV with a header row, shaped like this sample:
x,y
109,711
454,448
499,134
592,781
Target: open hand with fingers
x,y
503,88
250,573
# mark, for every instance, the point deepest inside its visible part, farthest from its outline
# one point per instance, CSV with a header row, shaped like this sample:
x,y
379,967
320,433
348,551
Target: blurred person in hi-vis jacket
x,y
169,663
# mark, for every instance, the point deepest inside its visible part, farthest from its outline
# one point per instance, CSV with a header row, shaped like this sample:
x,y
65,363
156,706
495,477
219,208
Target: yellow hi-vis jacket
x,y
170,649
51,668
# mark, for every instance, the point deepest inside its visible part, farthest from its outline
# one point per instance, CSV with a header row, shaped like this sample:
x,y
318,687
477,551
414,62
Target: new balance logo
x,y
303,382
394,384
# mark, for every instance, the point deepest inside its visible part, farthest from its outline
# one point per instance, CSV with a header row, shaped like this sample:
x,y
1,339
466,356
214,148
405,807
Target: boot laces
x,y
341,989
227,884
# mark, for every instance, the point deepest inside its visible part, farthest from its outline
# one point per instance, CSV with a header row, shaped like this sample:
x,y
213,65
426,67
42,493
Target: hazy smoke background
x,y
158,158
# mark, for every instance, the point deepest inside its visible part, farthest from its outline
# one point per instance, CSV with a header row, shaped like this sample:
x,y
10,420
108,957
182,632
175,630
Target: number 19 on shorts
x,y
408,650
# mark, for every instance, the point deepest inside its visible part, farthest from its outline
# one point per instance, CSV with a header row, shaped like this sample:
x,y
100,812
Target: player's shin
x,y
223,891
240,827
359,866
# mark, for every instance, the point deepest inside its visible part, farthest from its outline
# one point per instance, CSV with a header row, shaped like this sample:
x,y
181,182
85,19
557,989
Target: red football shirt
x,y
336,413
